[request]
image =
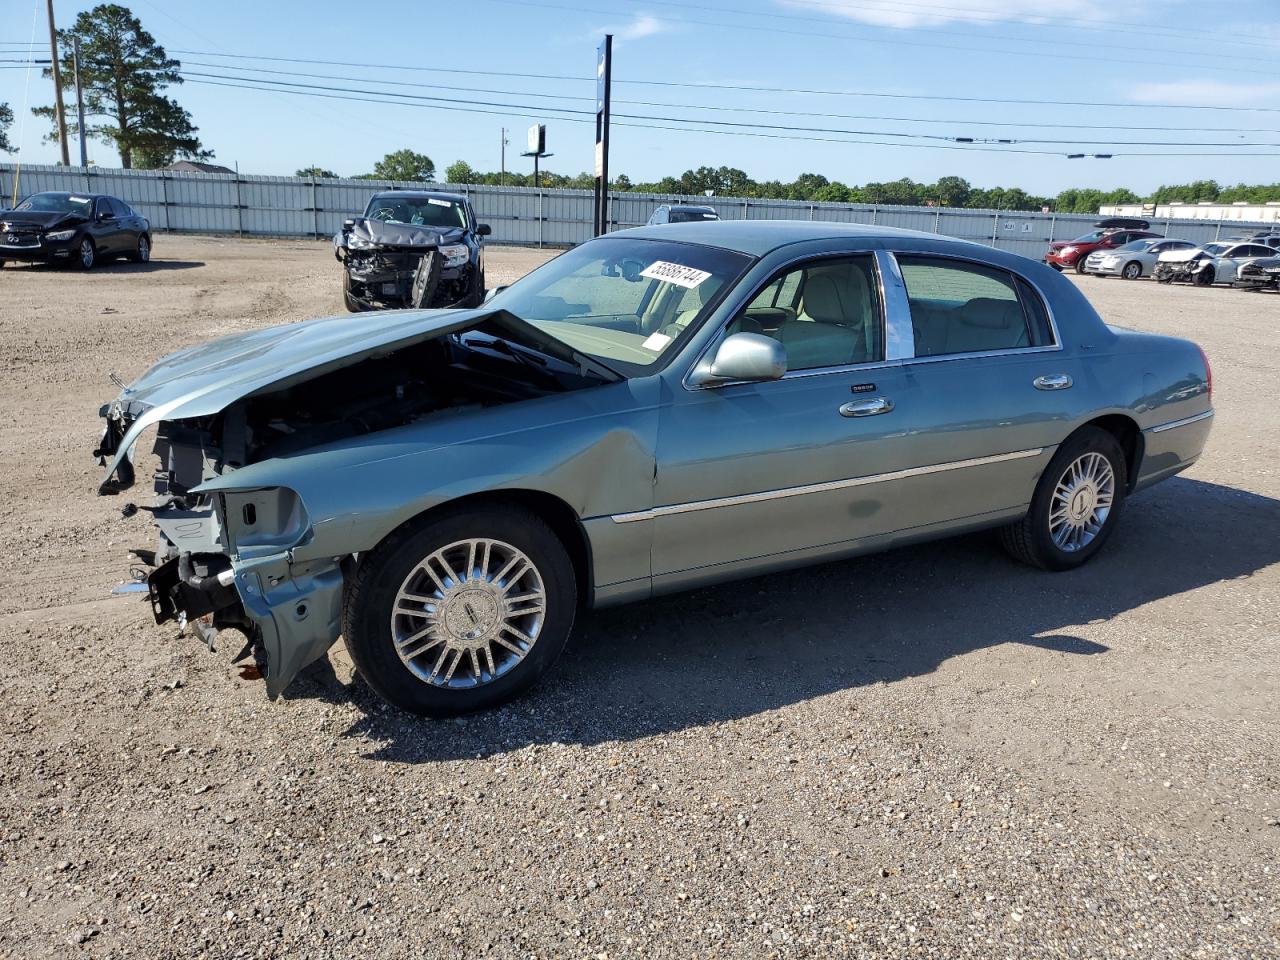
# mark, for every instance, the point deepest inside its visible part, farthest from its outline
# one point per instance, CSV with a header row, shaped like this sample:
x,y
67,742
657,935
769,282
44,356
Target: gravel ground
x,y
933,752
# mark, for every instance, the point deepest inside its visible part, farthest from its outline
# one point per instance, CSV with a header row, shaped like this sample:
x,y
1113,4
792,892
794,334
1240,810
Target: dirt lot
x,y
932,752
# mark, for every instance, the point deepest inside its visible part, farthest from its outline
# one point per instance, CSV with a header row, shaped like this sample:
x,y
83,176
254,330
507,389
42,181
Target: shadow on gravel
x,y
111,266
735,650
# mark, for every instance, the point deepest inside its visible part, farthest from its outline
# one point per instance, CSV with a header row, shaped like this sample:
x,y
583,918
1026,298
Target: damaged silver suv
x,y
412,249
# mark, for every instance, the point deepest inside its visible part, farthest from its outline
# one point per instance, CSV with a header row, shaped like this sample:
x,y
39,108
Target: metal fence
x,y
305,207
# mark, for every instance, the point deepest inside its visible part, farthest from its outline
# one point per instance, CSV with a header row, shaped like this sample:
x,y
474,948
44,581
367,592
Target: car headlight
x,y
60,235
1066,250
455,254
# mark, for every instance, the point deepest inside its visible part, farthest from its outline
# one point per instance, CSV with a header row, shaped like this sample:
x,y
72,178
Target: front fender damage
x,y
297,609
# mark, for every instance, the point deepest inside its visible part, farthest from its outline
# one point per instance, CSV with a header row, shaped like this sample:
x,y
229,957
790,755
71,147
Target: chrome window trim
x,y
773,274
1055,347
899,331
830,485
1174,424
881,257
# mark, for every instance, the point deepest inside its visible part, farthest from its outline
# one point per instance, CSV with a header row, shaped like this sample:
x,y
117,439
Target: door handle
x,y
866,408
1054,381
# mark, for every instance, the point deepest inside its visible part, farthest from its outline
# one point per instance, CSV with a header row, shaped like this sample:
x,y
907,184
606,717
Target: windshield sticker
x,y
656,342
438,203
676,273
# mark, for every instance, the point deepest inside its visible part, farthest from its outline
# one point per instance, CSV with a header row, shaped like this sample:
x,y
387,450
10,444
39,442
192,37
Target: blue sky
x,y
1145,55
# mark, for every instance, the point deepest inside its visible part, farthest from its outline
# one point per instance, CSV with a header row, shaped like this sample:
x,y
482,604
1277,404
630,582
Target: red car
x,y
1115,232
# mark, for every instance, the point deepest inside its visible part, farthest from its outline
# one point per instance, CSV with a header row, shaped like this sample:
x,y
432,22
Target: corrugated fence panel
x,y
305,207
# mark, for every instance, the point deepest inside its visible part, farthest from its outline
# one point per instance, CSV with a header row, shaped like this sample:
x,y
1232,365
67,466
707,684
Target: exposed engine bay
x,y
390,264
189,572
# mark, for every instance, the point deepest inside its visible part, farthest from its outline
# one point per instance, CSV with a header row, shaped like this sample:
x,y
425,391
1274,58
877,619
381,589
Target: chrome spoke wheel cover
x,y
468,613
144,249
1081,502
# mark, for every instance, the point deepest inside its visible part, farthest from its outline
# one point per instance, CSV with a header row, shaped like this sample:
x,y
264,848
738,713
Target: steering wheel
x,y
384,214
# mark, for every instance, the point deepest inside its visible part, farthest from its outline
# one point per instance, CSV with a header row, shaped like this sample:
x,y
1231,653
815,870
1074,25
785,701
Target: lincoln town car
x,y
661,408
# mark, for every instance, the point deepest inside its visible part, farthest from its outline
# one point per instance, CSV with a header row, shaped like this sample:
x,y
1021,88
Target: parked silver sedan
x,y
1133,260
654,410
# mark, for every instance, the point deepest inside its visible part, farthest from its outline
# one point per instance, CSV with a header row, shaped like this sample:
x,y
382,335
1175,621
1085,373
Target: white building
x,y
1206,210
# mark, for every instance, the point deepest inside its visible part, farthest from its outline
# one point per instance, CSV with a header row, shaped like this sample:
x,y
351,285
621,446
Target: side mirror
x,y
103,216
348,224
746,356
483,230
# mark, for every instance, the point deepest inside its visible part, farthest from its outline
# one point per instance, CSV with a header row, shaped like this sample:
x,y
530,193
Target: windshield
x,y
1217,249
422,211
1138,245
625,301
1089,237
58,203
689,214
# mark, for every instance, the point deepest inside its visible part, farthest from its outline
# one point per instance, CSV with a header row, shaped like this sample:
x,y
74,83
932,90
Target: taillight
x,y
1208,371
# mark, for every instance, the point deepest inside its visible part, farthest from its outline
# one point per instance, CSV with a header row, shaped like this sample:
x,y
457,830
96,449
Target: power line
x,y
729,123
751,88
731,109
827,35
667,126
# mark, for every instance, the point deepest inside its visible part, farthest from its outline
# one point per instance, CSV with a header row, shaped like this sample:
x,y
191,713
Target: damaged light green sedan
x,y
657,409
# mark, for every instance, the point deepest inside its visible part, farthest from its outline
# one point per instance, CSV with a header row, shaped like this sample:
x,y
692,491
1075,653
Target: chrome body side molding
x,y
785,492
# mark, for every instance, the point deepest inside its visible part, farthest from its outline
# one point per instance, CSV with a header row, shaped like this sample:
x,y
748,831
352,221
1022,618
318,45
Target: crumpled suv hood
x,y
383,234
203,380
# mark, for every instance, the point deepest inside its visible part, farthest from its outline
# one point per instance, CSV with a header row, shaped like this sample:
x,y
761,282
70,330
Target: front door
x,y
759,474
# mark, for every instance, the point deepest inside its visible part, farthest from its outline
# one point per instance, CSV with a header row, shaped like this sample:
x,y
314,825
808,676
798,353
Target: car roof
x,y
758,237
432,194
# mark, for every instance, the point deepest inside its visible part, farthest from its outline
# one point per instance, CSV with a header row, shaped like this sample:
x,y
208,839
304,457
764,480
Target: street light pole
x,y
75,63
57,87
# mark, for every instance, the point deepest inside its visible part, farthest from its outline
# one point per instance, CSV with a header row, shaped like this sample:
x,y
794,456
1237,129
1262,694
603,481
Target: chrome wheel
x,y
468,613
1132,271
1082,502
144,250
86,253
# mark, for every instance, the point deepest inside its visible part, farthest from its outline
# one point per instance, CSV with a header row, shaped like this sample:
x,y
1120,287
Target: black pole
x,y
604,88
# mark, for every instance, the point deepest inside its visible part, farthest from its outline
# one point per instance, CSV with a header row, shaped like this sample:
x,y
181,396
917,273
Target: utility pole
x,y
75,62
503,179
57,88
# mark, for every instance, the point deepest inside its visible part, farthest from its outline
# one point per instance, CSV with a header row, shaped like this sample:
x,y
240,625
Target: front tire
x,y
353,305
461,612
1132,270
1204,278
1076,505
86,255
1080,266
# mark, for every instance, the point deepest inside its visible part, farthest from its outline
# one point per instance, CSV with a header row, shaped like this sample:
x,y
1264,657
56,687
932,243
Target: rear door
x,y
996,387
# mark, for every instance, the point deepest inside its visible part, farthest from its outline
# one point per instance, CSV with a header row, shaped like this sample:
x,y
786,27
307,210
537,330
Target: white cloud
x,y
644,25
931,13
1209,93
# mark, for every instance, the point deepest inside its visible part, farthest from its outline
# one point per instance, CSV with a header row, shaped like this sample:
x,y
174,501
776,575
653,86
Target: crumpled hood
x,y
1181,256
404,234
203,380
37,218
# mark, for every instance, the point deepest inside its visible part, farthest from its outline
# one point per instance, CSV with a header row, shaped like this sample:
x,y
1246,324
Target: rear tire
x,y
407,622
1076,505
143,253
